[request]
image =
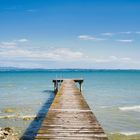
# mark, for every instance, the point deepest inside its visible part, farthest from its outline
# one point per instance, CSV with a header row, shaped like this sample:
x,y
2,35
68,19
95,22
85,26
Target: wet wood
x,y
70,118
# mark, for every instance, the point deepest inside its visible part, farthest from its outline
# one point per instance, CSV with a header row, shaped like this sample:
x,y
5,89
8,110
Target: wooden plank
x,y
70,117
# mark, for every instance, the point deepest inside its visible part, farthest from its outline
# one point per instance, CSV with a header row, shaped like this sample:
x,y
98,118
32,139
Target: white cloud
x,y
8,45
113,59
117,33
128,32
111,35
15,53
138,32
67,54
123,33
125,40
58,56
107,34
88,37
61,54
119,59
22,40
12,44
12,51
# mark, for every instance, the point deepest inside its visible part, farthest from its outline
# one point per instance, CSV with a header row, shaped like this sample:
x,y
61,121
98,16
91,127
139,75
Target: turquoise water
x,y
113,95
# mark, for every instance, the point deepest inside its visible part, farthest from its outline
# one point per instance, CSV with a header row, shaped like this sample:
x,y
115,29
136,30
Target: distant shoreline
x,y
4,69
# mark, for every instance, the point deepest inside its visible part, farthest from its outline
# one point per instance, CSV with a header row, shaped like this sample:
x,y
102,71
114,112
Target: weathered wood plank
x,y
70,118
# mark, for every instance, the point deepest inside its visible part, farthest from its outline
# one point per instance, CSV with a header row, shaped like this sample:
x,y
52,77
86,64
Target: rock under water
x,y
9,110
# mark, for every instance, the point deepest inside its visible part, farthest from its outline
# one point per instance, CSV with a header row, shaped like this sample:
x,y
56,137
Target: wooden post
x,y
80,86
55,86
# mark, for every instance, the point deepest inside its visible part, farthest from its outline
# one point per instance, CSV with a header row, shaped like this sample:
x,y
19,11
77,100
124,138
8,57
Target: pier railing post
x,y
58,82
80,84
55,86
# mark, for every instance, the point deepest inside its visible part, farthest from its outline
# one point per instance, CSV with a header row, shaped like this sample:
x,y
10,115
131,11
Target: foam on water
x,y
17,116
130,108
129,133
103,107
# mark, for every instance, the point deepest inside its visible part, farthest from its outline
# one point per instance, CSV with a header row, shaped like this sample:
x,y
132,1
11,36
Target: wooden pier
x,y
57,83
69,117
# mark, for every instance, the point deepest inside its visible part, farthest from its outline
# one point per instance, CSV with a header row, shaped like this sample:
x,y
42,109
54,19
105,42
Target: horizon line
x,y
26,68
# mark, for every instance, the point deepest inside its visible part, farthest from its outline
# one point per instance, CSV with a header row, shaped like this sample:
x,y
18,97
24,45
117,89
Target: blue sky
x,y
70,34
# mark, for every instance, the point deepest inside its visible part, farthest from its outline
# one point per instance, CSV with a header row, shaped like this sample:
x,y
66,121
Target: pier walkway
x,y
69,117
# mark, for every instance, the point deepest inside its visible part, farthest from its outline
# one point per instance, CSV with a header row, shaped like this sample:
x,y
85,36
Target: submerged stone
x,y
9,110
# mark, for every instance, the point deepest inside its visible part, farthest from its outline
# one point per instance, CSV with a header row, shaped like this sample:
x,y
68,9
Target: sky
x,y
92,34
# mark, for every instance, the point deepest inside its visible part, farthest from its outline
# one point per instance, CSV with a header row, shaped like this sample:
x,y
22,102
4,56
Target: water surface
x,y
113,95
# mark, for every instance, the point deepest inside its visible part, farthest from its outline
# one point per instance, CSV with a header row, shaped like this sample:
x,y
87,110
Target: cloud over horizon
x,y
125,40
12,49
20,49
88,37
111,36
13,53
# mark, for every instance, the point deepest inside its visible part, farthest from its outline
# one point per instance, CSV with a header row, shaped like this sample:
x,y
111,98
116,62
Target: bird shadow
x,y
31,132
